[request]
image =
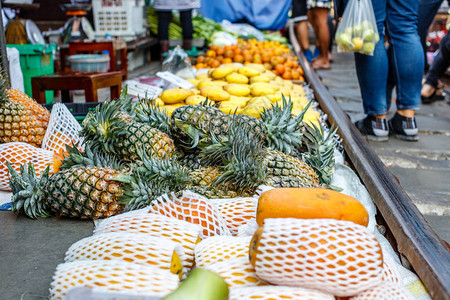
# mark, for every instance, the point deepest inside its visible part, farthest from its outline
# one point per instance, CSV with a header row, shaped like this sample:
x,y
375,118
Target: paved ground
x,y
423,168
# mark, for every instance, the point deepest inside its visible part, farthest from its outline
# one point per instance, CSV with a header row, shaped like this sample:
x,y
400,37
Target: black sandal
x,y
432,98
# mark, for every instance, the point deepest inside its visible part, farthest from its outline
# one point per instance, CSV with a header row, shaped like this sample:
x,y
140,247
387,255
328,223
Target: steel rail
x,y
415,238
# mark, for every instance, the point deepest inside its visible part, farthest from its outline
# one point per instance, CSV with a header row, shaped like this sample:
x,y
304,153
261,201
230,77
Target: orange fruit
x,y
220,51
287,75
211,53
227,60
239,58
280,68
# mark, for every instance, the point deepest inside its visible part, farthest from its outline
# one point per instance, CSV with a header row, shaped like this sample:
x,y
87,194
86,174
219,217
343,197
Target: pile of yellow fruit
x,y
238,89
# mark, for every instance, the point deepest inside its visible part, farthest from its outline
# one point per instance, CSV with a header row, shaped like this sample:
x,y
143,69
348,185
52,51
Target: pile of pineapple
x,y
247,89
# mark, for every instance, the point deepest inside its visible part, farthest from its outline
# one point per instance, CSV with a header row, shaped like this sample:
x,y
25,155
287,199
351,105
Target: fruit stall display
x,y
234,189
273,55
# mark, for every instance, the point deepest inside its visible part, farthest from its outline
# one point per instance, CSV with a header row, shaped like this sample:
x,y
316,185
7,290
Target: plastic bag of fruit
x,y
357,31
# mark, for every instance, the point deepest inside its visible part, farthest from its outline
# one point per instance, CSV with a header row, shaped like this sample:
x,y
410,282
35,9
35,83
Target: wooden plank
x,y
415,238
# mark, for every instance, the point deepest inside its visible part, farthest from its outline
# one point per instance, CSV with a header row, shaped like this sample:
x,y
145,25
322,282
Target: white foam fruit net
x,y
323,254
236,211
236,272
17,154
248,229
220,248
62,129
194,209
390,272
130,247
385,291
184,233
104,275
272,292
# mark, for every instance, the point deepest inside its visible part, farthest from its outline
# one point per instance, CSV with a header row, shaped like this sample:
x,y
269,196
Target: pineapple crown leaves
x,y
138,193
196,135
126,104
320,153
164,172
148,112
282,131
28,190
245,162
103,126
89,158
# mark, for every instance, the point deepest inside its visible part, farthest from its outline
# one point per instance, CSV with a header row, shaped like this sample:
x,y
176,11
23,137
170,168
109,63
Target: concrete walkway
x,y
423,167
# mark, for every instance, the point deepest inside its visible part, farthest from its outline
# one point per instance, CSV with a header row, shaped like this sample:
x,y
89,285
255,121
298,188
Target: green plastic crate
x,y
35,60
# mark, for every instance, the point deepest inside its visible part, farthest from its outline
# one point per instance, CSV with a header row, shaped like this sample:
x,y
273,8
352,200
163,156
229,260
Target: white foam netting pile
x,y
62,129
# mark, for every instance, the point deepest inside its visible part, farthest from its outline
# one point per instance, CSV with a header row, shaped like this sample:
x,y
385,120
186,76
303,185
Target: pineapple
x,y
78,192
284,170
320,154
106,129
40,112
17,122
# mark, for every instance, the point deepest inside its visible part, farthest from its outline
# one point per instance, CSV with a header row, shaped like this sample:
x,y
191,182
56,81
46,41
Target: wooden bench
x,y
67,81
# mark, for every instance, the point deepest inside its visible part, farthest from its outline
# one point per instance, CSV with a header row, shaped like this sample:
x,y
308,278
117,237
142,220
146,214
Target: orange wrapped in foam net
x,y
236,272
111,275
194,209
153,225
17,154
385,291
236,211
324,254
63,129
220,248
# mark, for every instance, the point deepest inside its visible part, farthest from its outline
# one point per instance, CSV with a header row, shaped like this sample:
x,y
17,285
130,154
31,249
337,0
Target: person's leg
x,y
164,18
323,35
440,63
427,11
188,30
407,63
299,16
372,72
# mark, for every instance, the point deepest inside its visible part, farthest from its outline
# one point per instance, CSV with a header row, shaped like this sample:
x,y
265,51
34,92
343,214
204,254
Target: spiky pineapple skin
x,y
84,192
284,170
40,112
140,136
17,124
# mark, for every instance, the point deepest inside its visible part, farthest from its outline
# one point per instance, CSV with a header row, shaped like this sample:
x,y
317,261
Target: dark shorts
x,y
299,10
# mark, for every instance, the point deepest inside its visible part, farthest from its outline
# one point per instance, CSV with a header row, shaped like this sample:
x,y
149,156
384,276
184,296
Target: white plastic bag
x,y
357,31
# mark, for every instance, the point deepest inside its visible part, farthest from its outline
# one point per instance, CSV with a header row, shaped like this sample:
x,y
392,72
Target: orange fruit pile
x,y
273,55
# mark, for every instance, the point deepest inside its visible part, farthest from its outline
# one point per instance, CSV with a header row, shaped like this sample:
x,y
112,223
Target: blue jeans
x,y
405,59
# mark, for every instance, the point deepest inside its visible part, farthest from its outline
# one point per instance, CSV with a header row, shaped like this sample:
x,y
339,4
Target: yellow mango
x,y
168,109
221,72
220,82
158,102
269,74
236,101
262,101
195,99
259,67
248,71
300,100
196,91
201,76
176,95
288,83
253,110
263,88
259,78
193,81
285,91
229,109
298,88
215,93
234,66
240,90
205,82
275,97
236,78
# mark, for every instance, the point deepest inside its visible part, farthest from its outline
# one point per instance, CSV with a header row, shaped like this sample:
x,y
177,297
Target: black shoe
x,y
376,129
404,128
432,98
